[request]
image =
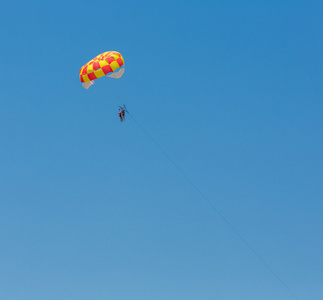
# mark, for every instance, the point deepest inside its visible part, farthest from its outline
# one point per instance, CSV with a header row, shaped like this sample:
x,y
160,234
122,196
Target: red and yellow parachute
x,y
109,64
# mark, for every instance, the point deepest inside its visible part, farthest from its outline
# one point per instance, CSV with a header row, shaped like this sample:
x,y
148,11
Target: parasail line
x,y
247,244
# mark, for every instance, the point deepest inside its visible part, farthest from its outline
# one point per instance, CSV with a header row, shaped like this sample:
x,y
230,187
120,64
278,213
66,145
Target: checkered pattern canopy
x,y
108,63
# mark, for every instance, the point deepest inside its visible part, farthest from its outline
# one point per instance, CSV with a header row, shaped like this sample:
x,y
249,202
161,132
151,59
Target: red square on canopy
x,y
84,71
110,59
96,66
92,76
107,69
120,62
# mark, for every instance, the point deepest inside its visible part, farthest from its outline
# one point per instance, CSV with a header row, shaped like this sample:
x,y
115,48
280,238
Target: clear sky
x,y
90,208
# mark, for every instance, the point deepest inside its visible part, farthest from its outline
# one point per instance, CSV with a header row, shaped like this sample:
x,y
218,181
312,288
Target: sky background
x,y
90,208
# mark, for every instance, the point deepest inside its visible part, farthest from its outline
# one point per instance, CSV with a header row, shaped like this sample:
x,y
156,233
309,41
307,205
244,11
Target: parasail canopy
x,y
109,64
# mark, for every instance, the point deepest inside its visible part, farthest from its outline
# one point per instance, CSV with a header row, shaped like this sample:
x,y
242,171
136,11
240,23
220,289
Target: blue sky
x,y
91,209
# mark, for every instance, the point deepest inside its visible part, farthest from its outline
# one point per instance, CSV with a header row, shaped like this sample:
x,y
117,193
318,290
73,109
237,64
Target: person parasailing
x,y
121,113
